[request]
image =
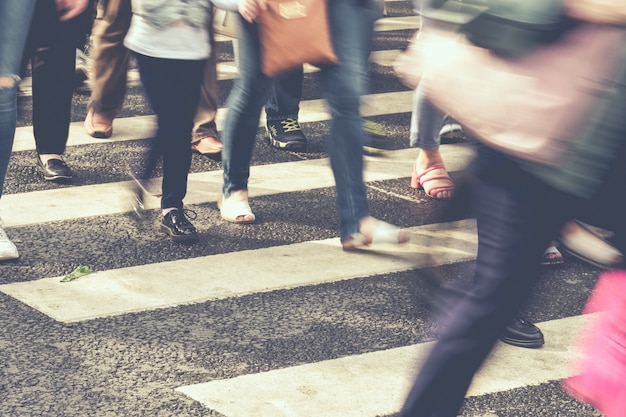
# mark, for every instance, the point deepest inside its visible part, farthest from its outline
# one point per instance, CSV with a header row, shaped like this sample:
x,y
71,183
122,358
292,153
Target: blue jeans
x,y
351,23
173,89
426,121
285,96
15,17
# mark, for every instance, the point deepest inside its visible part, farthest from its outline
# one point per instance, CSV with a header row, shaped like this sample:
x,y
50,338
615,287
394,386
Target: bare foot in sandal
x,y
235,208
430,173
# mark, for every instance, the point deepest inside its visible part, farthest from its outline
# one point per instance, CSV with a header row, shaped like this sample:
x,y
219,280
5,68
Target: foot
x,y
376,140
286,134
522,333
178,227
373,231
53,167
552,256
8,250
581,242
235,208
208,145
429,174
98,125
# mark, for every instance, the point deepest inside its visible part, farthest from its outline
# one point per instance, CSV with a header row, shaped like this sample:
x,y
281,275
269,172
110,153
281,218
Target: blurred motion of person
x,y
48,39
170,42
519,207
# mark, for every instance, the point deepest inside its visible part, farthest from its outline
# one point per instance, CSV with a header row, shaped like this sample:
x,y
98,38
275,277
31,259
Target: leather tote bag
x,y
293,33
530,107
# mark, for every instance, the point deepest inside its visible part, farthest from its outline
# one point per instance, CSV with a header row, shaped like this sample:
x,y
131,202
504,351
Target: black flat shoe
x,y
55,169
522,333
176,225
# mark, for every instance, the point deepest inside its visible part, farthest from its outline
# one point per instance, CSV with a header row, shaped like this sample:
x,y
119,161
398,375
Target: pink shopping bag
x,y
601,379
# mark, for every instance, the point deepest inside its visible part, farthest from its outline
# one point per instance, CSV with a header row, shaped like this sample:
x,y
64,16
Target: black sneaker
x,y
376,141
54,169
286,134
178,227
522,333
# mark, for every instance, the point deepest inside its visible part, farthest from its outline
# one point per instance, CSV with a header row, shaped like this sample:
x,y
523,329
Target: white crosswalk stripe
x,y
365,385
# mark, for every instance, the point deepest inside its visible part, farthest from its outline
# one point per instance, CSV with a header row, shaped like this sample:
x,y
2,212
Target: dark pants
x,y
51,48
173,89
517,215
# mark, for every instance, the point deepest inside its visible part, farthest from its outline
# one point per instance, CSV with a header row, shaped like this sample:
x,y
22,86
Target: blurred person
x,y
51,49
15,24
351,26
519,207
170,43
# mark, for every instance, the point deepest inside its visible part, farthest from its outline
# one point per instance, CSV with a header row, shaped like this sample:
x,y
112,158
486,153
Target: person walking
x,y
15,24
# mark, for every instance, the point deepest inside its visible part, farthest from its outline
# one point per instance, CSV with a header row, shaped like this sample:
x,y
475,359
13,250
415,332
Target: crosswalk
x,y
269,320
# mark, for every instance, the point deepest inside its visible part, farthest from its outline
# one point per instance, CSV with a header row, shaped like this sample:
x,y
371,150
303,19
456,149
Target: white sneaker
x,y
7,248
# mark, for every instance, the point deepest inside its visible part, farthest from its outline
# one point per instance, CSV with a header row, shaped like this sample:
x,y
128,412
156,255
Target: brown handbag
x,y
293,33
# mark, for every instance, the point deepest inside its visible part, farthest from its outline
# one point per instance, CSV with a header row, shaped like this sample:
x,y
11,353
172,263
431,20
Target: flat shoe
x,y
591,248
382,233
207,146
54,169
98,126
232,210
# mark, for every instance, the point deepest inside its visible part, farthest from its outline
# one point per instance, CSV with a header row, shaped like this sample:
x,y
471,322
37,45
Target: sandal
x,y
434,173
383,233
552,256
235,211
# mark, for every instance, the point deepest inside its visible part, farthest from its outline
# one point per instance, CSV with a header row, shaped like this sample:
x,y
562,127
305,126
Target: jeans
x,y
173,89
351,23
426,121
285,96
15,17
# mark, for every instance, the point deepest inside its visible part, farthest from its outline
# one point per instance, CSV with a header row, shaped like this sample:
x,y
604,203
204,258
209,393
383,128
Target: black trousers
x,y
51,49
517,216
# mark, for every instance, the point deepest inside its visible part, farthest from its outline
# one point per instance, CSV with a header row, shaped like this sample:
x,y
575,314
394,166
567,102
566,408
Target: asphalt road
x,y
133,363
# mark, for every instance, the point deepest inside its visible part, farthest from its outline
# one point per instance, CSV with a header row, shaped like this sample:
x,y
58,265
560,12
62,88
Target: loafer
x,y
55,169
98,125
208,145
176,225
522,333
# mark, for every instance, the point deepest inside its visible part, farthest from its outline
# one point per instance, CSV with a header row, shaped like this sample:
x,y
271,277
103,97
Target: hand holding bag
x,y
293,33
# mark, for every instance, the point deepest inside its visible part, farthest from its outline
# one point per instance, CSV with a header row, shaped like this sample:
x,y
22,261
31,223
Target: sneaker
x,y
376,141
286,134
8,250
178,227
81,73
451,131
522,333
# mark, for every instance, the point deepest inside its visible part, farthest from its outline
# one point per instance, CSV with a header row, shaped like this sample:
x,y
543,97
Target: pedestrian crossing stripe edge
x,y
61,204
377,383
196,280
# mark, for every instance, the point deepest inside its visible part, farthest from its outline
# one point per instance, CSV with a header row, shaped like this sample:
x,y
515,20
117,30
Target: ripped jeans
x,y
15,17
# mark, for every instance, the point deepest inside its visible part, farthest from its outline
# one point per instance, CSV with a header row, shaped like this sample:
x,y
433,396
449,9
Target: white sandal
x,y
232,210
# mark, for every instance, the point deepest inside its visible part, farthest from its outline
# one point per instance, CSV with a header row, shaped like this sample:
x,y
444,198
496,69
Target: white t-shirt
x,y
176,41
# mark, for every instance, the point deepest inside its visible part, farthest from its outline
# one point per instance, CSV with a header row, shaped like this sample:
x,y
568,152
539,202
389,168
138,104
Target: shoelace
x,y
188,213
290,125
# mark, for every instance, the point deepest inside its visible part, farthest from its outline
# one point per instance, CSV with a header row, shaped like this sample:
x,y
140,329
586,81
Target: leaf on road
x,y
77,273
